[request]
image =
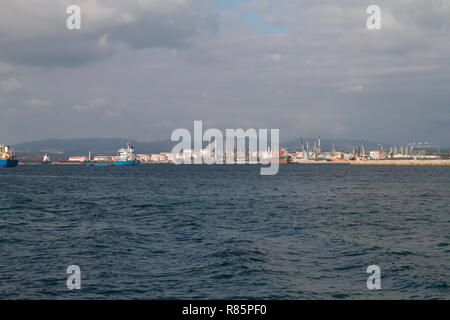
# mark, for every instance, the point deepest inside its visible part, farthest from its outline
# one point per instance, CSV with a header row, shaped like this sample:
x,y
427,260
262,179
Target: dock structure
x,y
389,162
386,162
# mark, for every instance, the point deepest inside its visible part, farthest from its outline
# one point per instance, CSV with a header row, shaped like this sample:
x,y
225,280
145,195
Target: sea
x,y
162,231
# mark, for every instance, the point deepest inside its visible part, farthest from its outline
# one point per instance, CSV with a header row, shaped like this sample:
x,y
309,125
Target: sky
x,y
141,68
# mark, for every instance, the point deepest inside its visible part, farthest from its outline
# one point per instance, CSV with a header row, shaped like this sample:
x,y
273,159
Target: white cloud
x,y
350,89
39,103
274,57
96,103
99,102
10,85
128,18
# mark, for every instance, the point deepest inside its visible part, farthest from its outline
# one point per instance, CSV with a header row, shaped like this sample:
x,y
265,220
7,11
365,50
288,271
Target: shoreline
x,y
433,163
388,162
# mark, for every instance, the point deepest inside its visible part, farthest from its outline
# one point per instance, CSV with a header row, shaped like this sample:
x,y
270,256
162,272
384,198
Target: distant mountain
x,y
73,147
77,147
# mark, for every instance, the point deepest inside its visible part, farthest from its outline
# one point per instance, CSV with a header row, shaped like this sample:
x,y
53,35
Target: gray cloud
x,y
38,36
144,68
10,85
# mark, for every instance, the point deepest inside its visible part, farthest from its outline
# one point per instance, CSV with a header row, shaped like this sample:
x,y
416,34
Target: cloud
x,y
37,35
150,62
351,86
5,68
274,57
113,114
39,103
351,89
94,104
10,85
99,102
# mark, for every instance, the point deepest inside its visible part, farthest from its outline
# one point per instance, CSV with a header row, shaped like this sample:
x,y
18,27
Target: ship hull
x,y
34,162
126,163
9,163
115,163
101,164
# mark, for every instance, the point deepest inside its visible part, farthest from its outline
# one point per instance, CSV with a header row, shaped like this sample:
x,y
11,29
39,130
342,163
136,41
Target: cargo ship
x,y
44,160
106,161
7,158
66,162
126,158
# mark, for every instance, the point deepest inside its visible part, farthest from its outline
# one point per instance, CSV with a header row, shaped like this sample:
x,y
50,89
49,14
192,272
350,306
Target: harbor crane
x,y
305,149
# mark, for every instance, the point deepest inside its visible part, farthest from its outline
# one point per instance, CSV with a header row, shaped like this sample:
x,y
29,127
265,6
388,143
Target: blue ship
x,y
8,163
7,158
126,162
126,158
99,163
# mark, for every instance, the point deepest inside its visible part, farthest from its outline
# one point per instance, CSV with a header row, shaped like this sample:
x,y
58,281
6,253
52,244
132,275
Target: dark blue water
x,y
204,232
